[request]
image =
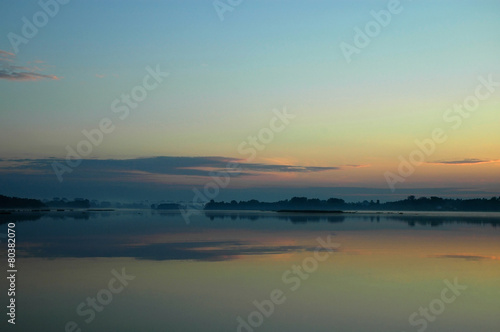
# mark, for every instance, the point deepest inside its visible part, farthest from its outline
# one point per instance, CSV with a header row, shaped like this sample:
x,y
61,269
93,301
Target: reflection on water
x,y
203,276
412,219
432,219
292,217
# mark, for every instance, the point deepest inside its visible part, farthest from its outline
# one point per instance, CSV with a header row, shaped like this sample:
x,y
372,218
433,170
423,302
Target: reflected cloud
x,y
198,251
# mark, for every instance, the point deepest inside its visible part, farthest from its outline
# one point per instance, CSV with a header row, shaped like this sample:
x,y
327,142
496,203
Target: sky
x,y
154,100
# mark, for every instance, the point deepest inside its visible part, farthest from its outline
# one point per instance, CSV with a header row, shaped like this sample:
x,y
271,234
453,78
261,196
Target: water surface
x,y
377,272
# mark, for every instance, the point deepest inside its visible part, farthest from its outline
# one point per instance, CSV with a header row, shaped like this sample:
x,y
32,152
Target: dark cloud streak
x,y
470,161
165,165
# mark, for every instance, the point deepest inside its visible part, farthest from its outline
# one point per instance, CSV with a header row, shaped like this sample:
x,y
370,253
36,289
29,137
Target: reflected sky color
x,y
203,276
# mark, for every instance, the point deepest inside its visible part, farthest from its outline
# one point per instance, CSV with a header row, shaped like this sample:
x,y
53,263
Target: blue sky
x,y
226,77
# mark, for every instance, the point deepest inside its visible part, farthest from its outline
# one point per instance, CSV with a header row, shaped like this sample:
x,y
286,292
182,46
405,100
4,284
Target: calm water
x,y
354,272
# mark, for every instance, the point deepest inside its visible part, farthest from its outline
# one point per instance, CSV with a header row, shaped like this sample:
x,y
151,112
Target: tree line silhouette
x,y
411,203
29,203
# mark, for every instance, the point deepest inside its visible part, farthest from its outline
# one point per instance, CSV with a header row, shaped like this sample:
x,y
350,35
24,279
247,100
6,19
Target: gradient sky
x,y
352,120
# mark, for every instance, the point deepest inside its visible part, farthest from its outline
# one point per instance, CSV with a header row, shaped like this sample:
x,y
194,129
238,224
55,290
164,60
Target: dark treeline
x,y
28,203
409,204
166,206
20,203
78,203
64,203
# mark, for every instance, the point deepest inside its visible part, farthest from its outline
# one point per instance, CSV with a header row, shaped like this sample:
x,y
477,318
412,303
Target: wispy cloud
x,y
285,168
9,71
4,54
24,76
464,162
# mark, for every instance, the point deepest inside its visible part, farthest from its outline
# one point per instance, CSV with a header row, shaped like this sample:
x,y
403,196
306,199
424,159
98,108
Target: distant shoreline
x,y
293,205
312,211
331,205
